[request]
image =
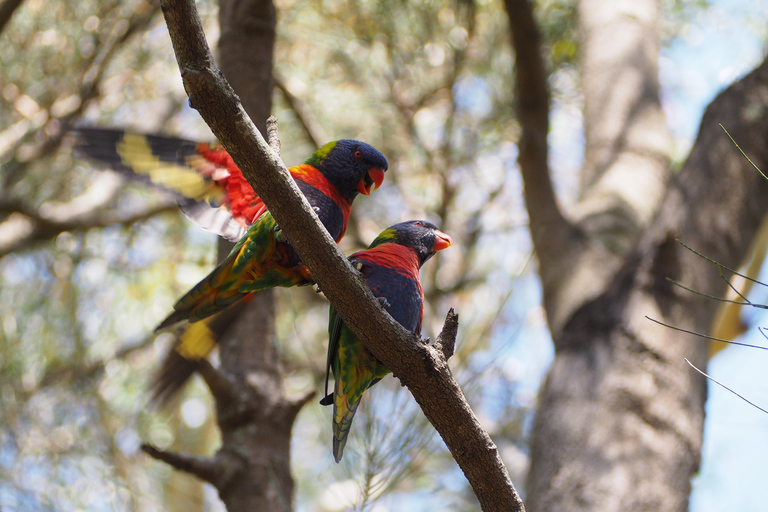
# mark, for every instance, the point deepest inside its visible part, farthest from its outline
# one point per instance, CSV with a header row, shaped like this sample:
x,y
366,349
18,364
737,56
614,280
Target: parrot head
x,y
421,236
351,166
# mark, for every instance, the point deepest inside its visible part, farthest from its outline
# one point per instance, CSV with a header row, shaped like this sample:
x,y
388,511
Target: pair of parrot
x,y
204,178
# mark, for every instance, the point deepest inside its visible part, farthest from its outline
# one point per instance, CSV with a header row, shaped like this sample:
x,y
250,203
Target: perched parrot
x,y
390,267
213,193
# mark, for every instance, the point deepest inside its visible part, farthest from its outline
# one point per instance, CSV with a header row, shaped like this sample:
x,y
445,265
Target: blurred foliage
x,y
428,82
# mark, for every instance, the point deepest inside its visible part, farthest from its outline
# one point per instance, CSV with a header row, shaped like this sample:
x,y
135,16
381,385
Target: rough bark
x,y
619,425
421,367
620,415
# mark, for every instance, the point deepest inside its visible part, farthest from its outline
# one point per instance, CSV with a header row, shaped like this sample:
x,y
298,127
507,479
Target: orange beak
x,y
442,241
375,177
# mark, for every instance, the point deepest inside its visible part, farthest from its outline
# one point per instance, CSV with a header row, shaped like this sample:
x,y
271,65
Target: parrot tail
x,y
194,343
343,412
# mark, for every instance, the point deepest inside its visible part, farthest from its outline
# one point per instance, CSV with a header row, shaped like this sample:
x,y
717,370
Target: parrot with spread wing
x,y
390,267
213,193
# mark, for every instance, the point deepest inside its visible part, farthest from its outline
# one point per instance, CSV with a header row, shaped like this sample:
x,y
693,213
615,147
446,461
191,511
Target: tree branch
x,y
26,227
222,389
311,127
212,470
421,368
273,135
532,95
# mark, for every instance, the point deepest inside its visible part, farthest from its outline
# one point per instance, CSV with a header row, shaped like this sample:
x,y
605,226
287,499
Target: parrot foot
x,y
426,340
279,235
327,400
383,302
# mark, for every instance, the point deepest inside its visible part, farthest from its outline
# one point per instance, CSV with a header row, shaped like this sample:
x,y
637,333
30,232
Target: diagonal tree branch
x,y
26,227
420,367
216,471
311,127
548,226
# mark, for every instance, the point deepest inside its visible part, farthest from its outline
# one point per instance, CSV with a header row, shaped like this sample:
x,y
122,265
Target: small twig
x,y
719,265
726,387
446,340
745,302
273,135
742,152
706,336
205,468
311,127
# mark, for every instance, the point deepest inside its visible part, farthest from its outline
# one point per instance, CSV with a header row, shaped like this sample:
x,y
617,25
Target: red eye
x,y
358,154
418,223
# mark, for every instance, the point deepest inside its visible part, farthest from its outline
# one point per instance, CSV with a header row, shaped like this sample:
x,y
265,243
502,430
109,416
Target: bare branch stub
x,y
446,340
273,135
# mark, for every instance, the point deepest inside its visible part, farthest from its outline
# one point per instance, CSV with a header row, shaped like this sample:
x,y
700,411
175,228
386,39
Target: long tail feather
x,y
343,413
194,344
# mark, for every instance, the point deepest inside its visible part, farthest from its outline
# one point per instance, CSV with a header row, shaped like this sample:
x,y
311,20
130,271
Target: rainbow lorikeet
x,y
212,192
330,179
390,267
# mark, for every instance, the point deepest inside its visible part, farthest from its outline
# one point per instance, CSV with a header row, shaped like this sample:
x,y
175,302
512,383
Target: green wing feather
x,y
248,268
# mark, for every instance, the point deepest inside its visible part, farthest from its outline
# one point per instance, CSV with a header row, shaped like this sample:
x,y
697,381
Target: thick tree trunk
x,y
620,415
251,470
619,425
256,425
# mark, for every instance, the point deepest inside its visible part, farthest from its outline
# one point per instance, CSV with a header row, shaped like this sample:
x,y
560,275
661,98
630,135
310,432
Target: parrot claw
x,y
279,235
426,340
317,289
327,400
383,302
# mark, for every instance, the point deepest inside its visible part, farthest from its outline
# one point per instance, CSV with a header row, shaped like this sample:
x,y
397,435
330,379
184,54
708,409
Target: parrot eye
x,y
358,154
418,223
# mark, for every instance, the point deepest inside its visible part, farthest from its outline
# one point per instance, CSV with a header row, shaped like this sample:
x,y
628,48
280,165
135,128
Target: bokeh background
x,y
83,284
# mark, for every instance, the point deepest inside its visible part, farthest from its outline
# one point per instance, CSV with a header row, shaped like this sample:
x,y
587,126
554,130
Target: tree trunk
x,y
256,424
620,418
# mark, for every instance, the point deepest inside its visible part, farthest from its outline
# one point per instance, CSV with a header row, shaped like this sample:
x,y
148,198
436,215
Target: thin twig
x,y
726,387
742,152
745,302
706,336
720,265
